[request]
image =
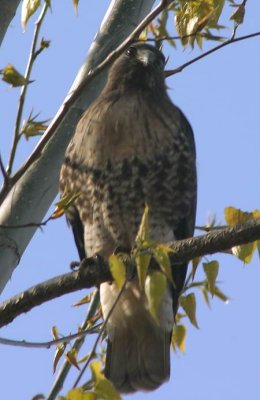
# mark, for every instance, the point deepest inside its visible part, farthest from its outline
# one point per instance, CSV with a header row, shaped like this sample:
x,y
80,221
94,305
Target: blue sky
x,y
220,96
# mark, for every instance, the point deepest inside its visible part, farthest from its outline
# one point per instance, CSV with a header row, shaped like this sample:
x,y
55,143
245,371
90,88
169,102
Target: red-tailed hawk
x,y
133,147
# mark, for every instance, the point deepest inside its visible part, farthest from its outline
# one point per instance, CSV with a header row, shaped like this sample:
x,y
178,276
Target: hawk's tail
x,y
138,359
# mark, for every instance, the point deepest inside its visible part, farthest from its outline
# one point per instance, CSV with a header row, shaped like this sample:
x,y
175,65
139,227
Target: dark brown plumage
x,y
133,147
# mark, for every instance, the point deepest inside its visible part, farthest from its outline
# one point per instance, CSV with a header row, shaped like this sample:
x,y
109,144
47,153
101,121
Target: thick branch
x,y
97,272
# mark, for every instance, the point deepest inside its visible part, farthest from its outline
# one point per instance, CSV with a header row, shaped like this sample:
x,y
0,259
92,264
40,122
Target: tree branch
x,y
98,272
216,48
50,343
32,57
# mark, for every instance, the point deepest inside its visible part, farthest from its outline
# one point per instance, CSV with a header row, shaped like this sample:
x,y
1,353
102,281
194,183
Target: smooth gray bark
x,y
7,12
34,192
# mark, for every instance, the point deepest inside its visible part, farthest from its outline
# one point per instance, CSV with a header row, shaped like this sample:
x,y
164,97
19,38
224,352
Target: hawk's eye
x,y
131,51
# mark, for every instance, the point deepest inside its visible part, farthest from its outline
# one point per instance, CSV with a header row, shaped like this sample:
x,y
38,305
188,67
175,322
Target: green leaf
x,y
29,7
104,389
55,332
118,270
239,14
220,295
72,358
12,76
31,127
211,270
188,304
85,300
179,337
234,216
155,285
142,264
205,295
58,354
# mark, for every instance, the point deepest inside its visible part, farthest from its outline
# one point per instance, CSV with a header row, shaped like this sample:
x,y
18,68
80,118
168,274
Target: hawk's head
x,y
140,66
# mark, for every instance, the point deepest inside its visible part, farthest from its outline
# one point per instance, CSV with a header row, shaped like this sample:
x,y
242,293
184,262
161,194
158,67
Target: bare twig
x,y
97,272
32,56
210,228
91,354
50,343
29,224
194,34
220,46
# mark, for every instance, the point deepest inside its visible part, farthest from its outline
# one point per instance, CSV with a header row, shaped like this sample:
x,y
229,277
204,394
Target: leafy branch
x,y
49,343
207,53
66,366
96,271
32,57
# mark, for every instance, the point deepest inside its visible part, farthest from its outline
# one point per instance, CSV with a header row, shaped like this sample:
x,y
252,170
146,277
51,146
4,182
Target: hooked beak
x,y
147,57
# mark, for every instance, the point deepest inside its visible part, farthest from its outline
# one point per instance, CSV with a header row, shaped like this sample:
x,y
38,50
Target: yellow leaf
x,y
55,332
155,285
162,257
118,270
256,213
32,128
84,300
238,16
188,303
235,216
58,354
195,263
143,34
211,270
12,76
72,358
29,7
205,295
79,394
245,251
179,337
64,203
143,232
104,389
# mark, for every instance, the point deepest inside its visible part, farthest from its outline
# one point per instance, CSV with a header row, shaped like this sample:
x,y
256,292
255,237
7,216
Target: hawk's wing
x,y
74,220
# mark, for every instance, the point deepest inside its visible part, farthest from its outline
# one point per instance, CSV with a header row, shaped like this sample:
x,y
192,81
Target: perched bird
x,y
133,147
